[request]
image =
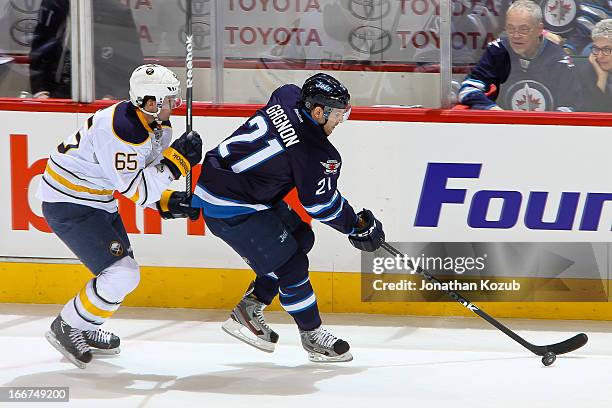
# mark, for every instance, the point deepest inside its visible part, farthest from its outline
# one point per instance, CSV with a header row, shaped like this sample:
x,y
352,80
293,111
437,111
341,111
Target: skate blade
x,y
58,346
320,358
105,352
240,332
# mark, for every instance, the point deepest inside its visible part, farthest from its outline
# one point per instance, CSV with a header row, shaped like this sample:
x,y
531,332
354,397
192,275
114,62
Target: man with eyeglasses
x,y
530,72
596,75
285,144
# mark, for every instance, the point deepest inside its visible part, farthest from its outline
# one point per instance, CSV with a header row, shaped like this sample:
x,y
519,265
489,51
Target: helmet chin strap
x,y
324,123
326,116
154,114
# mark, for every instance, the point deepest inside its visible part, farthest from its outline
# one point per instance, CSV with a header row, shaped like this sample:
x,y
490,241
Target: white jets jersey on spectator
x,y
115,150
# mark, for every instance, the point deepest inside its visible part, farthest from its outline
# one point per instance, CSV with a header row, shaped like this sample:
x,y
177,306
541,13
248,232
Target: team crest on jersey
x,y
495,43
524,63
157,134
331,166
567,60
559,15
115,248
529,95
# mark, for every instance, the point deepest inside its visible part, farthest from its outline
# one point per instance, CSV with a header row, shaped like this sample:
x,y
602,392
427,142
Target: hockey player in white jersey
x,y
124,148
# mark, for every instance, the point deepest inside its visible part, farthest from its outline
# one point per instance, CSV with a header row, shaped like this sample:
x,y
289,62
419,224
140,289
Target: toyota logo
x,y
201,36
26,6
370,40
199,8
369,9
22,31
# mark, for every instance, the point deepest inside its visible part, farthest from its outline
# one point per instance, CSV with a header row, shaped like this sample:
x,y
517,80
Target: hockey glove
x,y
176,204
368,235
184,152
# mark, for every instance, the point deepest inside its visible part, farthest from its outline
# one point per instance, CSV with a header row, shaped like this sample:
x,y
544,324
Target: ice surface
x,y
180,358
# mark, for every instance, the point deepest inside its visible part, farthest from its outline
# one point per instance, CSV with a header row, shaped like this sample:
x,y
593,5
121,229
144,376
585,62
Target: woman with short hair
x,y
597,78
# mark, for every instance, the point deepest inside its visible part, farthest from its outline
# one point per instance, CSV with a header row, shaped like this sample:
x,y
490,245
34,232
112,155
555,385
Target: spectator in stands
x,y
576,36
530,72
596,77
117,50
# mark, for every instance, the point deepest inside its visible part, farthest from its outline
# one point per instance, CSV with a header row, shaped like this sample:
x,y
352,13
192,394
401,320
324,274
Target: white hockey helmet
x,y
158,82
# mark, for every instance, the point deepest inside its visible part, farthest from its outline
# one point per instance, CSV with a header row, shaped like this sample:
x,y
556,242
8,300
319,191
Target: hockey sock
x,y
88,310
102,296
266,288
296,294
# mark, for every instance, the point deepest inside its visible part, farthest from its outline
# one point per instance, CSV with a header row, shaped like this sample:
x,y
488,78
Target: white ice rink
x,y
180,358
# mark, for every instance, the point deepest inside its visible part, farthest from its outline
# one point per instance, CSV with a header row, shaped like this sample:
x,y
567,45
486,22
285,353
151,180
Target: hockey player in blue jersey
x,y
530,72
241,189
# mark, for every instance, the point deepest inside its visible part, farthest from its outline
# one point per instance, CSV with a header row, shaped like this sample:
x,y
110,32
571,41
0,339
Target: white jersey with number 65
x,y
115,150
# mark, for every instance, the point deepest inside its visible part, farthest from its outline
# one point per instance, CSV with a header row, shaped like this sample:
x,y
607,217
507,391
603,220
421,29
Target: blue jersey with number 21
x,y
275,150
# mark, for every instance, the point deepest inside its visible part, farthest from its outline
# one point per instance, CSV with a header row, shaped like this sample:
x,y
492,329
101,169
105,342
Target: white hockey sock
x,y
102,296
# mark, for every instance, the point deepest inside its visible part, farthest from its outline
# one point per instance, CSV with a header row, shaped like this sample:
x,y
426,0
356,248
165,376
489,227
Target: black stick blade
x,y
563,347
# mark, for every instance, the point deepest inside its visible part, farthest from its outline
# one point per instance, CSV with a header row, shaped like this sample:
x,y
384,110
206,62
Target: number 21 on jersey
x,y
324,185
259,129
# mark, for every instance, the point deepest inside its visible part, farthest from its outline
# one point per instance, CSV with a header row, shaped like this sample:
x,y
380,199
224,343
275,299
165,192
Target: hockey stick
x,y
188,79
563,347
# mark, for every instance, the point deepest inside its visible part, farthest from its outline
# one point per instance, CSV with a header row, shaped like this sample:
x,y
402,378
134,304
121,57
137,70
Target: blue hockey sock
x,y
296,294
300,302
266,288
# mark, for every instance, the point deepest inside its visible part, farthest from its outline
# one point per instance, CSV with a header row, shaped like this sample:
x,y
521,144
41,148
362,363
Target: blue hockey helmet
x,y
326,91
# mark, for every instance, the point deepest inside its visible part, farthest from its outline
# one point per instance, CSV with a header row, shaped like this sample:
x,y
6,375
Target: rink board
x,y
385,168
337,292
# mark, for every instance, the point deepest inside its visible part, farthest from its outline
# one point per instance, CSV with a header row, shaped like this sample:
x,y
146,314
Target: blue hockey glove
x,y
368,235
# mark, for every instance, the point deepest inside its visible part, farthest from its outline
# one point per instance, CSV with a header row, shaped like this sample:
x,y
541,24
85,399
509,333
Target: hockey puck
x,y
549,358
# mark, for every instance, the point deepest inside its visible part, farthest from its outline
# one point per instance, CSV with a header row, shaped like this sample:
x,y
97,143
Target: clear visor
x,y
347,113
341,115
172,102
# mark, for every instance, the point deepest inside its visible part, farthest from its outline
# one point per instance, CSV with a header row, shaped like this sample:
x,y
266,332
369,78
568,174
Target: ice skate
x,y
70,342
247,323
102,342
324,347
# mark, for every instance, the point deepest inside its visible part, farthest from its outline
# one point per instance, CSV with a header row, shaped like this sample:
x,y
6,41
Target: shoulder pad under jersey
x,y
130,125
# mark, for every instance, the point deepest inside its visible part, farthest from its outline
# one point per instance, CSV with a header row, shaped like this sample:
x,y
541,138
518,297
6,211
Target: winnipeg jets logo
x,y
568,61
323,86
495,43
528,100
559,14
115,248
331,166
529,96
